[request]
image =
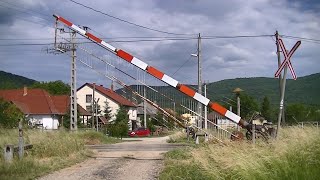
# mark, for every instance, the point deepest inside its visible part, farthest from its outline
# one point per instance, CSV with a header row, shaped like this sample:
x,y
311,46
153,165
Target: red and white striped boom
x,y
155,72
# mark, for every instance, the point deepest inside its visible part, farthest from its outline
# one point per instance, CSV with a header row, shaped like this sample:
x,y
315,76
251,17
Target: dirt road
x,y
140,159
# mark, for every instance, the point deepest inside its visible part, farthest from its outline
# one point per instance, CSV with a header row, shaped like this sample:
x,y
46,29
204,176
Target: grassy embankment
x,y
51,151
296,155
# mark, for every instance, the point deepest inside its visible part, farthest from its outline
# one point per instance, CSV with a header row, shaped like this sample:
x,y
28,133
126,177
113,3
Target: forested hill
x,y
304,90
12,81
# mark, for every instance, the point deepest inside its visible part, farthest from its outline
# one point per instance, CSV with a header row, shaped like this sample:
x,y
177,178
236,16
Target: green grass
x,y
296,155
52,150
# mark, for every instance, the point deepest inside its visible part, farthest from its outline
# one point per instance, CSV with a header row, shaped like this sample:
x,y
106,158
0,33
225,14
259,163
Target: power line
x,y
236,36
117,18
317,41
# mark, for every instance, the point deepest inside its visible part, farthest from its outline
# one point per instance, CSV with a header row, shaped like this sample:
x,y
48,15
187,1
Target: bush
x,y
118,130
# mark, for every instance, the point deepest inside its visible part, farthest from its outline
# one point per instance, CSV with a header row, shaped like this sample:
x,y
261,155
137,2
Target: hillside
x,y
12,81
303,90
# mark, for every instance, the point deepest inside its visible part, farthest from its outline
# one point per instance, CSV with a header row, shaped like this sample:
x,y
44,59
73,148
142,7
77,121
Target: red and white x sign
x,y
287,55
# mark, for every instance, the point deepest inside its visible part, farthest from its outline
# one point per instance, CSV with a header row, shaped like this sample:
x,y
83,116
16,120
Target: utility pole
x,y
280,76
97,123
93,109
205,108
145,107
199,81
282,88
73,105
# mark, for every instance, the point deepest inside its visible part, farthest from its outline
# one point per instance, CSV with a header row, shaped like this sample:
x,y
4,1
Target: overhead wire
x,y
126,21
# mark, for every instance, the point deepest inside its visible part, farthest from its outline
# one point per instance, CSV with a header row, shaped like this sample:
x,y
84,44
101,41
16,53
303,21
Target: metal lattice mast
x,y
73,95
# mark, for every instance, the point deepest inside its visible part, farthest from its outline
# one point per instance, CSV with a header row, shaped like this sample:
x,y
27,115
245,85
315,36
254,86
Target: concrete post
x,y
8,153
21,142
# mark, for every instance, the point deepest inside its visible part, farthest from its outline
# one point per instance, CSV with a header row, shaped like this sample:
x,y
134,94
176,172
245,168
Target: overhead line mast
x,y
156,73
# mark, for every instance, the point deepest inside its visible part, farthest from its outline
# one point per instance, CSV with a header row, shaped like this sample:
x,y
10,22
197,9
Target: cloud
x,y
221,58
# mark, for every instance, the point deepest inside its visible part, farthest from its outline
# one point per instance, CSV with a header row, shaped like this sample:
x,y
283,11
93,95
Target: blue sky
x,y
31,22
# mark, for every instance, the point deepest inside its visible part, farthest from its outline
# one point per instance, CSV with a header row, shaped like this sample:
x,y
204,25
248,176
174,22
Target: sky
x,y
27,34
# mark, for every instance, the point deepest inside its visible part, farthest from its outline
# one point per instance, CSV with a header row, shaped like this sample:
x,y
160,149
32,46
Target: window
x,y
88,98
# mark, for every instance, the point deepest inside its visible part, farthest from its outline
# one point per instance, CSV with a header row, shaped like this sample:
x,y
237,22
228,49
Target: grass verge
x,y
296,155
52,150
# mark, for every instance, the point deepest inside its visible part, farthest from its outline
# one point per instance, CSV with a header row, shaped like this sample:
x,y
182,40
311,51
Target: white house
x,y
39,107
36,104
85,95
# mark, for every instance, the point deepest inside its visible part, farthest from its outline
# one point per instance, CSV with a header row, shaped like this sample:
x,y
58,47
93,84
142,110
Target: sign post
x,y
284,65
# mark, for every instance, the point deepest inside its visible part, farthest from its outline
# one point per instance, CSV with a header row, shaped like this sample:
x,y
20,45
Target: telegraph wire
x,y
125,21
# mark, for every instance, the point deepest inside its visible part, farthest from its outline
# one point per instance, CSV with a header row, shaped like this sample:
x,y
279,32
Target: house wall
x,y
48,121
226,123
81,95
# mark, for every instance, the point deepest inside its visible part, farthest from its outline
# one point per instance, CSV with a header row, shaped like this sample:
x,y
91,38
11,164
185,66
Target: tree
x,y
53,87
122,115
9,114
295,113
120,126
266,108
107,110
248,105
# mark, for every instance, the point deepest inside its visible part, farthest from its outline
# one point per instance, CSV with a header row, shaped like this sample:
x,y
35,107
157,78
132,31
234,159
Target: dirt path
x,y
141,159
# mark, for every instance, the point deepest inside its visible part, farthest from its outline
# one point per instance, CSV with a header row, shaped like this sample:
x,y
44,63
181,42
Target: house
x,y
40,108
62,104
221,121
114,100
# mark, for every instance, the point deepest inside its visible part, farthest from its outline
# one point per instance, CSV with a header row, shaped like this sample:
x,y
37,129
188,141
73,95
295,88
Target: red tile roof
x,y
38,101
62,104
111,94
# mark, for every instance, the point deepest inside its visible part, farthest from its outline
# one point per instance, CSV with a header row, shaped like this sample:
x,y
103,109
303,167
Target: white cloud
x,y
222,58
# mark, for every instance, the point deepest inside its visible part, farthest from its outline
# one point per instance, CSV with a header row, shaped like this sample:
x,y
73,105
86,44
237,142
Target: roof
x,y
39,101
62,104
110,94
35,101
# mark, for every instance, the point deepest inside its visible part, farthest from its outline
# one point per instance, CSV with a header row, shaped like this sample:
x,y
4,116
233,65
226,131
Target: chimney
x,y
25,90
111,87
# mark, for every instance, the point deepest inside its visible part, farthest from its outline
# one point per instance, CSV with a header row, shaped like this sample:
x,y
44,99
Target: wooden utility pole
x,y
205,108
93,109
199,81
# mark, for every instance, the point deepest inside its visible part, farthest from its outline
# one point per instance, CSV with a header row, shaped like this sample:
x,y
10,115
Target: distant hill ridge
x,y
12,81
304,90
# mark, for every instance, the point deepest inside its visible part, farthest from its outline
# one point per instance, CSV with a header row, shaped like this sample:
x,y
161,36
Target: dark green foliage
x,y
107,110
266,108
303,90
12,81
66,119
122,115
53,87
248,105
9,114
299,112
120,126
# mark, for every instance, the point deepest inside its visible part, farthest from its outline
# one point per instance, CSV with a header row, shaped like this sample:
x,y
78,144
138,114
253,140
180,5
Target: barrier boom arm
x,y
156,73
